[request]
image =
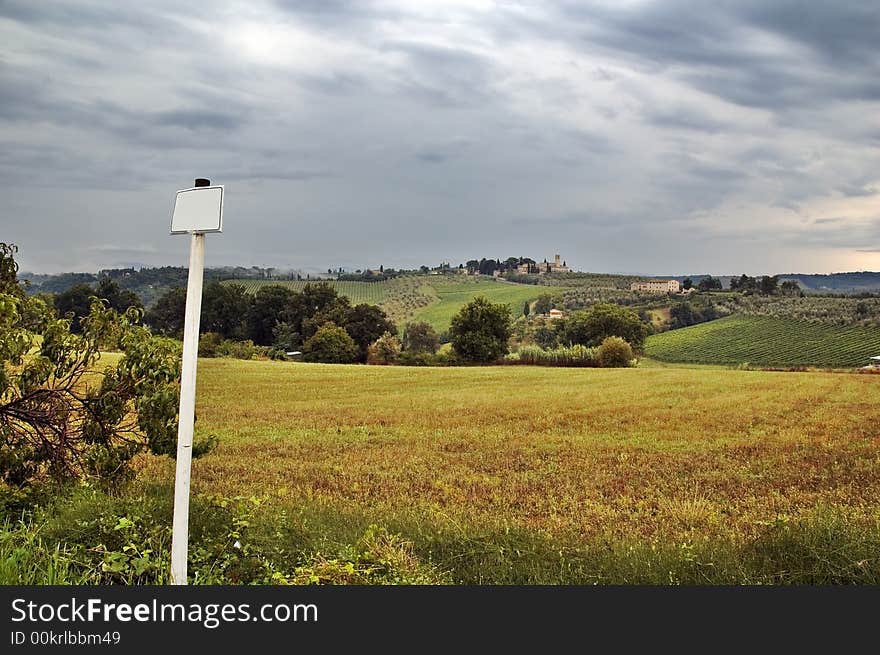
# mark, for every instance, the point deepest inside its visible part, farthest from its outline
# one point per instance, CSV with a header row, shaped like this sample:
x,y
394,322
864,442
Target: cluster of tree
x,y
591,327
370,275
685,313
509,265
707,283
317,321
418,346
150,283
766,285
76,302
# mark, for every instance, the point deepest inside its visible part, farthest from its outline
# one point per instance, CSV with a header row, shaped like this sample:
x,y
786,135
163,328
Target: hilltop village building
x,y
556,266
657,286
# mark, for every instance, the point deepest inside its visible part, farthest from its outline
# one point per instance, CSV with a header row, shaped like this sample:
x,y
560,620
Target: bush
x,y
385,350
212,344
208,344
408,358
330,344
614,353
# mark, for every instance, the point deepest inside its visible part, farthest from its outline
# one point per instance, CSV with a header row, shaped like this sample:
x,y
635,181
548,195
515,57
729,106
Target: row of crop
x,y
770,341
372,293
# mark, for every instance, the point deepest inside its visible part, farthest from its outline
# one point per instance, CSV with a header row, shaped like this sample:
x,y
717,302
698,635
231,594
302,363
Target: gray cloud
x,y
403,133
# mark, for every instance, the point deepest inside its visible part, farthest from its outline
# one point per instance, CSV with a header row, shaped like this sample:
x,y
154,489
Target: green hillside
x,y
452,294
767,341
434,299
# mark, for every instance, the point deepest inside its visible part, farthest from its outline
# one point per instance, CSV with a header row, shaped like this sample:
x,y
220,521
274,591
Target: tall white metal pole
x,y
180,528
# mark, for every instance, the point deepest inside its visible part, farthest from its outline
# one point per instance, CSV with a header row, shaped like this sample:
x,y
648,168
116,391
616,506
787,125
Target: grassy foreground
x,y
503,475
500,472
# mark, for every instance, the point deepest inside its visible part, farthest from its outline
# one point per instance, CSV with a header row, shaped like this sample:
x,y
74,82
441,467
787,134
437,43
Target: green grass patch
x,y
767,341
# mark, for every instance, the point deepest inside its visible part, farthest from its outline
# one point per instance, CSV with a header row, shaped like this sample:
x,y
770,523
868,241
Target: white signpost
x,y
196,211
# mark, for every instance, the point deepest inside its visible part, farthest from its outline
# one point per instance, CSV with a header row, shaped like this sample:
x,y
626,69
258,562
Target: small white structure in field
x,y
875,362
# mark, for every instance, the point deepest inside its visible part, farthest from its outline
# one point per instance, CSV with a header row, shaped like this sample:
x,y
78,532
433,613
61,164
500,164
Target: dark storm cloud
x,y
838,55
844,33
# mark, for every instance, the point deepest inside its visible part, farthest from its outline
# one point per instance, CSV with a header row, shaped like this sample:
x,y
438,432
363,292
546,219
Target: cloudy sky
x,y
665,137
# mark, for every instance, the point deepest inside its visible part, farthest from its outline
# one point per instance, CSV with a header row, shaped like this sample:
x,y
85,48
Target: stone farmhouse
x,y
657,286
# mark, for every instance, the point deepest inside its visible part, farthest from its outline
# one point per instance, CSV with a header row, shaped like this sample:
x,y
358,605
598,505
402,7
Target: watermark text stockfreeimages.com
x,y
208,615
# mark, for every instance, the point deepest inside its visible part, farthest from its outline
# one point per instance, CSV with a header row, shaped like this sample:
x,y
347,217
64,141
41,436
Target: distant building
x,y
556,266
657,286
556,313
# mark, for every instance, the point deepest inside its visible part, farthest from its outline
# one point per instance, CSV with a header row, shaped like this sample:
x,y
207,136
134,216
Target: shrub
x,y
614,352
408,358
212,344
385,350
208,344
330,344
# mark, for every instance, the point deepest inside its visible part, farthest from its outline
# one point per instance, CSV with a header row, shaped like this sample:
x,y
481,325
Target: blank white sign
x,y
199,209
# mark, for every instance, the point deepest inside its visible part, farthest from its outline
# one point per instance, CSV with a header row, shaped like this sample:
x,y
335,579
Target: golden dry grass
x,y
641,453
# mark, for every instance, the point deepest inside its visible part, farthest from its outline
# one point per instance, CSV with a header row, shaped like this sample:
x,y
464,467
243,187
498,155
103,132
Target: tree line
x,y
316,321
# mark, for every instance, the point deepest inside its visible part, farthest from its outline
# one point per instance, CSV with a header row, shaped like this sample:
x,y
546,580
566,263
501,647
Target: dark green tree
x,y
420,337
224,310
166,317
268,308
480,330
710,283
365,324
74,304
546,337
768,285
117,298
687,283
331,344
